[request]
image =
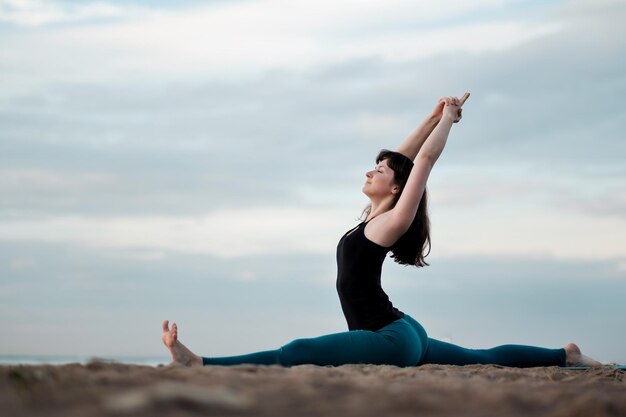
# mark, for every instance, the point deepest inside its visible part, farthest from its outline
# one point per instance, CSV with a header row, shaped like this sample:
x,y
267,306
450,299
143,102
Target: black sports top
x,y
359,265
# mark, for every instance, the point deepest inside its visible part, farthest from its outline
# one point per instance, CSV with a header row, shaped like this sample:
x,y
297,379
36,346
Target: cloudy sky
x,y
198,161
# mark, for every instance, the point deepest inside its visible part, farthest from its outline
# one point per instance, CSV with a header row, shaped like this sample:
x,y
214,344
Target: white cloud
x,y
484,230
21,263
22,179
38,12
375,126
244,39
527,231
516,211
223,233
351,70
465,186
135,255
277,14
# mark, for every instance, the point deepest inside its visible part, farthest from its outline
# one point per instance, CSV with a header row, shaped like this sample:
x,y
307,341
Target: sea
x,y
64,360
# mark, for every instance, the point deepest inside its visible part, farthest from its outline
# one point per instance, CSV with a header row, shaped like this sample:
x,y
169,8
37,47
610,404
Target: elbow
x,y
427,158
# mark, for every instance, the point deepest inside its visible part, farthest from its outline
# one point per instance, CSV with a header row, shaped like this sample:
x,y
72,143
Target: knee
x,y
420,345
295,345
409,352
293,352
410,356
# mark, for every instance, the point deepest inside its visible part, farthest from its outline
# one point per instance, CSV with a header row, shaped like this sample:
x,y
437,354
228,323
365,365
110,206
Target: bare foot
x,y
574,357
180,353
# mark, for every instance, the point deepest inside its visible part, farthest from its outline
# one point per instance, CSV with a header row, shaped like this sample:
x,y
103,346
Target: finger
x,y
166,326
464,98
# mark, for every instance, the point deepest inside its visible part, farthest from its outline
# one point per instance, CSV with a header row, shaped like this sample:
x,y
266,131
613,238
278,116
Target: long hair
x,y
414,245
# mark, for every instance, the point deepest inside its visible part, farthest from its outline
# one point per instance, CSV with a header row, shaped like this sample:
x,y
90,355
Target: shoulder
x,y
384,229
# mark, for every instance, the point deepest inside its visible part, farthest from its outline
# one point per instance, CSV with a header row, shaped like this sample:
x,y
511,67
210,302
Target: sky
x,y
198,162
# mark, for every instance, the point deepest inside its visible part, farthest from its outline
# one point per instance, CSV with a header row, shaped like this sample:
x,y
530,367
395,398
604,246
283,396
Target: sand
x,y
106,389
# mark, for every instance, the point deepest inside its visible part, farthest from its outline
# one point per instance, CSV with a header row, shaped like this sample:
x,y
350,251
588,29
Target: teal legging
x,y
402,343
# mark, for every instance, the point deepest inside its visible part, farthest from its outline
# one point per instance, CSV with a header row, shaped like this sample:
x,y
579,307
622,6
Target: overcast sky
x,y
198,162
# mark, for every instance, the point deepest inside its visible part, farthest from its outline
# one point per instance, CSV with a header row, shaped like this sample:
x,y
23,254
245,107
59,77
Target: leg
x,y
268,357
395,344
183,356
520,356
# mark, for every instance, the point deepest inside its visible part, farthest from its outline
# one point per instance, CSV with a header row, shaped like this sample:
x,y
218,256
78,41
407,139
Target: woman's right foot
x,y
180,353
574,357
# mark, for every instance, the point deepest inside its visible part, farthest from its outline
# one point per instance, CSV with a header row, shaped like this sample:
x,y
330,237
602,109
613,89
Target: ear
x,y
395,190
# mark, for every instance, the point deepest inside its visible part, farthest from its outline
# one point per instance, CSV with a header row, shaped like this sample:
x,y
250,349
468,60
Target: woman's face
x,y
380,181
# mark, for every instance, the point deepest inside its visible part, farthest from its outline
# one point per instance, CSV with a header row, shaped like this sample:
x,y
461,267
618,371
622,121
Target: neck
x,y
379,207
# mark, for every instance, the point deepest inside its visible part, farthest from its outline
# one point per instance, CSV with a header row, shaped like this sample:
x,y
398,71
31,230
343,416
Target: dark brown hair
x,y
414,245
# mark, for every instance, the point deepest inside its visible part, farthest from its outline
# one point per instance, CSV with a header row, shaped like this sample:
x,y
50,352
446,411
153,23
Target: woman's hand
x,y
453,107
411,146
438,110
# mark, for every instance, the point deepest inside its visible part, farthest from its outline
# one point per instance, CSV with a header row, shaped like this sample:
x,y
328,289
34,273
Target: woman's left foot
x,y
180,353
574,357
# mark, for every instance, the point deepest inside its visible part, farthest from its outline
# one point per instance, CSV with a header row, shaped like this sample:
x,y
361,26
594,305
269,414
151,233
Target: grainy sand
x,y
105,389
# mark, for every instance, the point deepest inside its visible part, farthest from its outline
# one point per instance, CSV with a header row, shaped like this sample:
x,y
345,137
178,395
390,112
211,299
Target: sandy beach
x,y
105,389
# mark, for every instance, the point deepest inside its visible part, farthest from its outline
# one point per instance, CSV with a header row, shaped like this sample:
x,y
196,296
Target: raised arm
x,y
413,143
397,221
411,146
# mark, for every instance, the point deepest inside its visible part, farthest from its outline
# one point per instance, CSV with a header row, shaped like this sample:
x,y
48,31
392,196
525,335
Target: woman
x,y
396,221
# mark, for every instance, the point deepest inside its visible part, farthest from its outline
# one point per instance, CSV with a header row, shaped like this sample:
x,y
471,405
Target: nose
x,y
368,174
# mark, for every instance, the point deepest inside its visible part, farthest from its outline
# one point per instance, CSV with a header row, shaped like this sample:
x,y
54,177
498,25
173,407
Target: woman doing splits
x,y
396,221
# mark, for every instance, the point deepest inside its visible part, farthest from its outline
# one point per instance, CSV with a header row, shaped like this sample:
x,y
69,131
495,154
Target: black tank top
x,y
359,265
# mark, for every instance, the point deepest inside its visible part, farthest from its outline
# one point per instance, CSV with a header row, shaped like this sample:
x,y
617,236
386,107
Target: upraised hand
x,y
454,106
411,146
438,110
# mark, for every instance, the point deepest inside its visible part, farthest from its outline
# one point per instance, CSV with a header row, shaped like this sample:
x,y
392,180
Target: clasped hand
x,y
451,106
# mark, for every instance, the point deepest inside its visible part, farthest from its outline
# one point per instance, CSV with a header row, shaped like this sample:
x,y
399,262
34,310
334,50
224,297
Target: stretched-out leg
x,y
520,356
267,357
395,344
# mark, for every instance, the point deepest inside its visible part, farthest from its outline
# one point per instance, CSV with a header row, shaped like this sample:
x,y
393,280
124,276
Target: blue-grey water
x,y
63,360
